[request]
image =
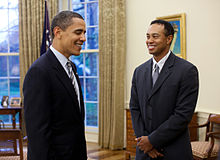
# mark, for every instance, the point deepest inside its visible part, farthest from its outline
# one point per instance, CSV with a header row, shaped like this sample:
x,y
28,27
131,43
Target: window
x,y
9,51
87,62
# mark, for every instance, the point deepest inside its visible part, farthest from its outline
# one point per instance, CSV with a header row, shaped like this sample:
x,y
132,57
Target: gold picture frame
x,y
178,21
15,102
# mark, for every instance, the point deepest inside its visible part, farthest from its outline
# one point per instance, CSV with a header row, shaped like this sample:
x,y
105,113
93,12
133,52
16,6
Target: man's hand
x,y
144,144
154,153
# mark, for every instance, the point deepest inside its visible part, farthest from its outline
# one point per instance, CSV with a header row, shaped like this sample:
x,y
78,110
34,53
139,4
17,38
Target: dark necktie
x,y
155,74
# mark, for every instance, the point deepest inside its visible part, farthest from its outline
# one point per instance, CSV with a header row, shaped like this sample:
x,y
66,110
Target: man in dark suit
x,y
163,98
53,102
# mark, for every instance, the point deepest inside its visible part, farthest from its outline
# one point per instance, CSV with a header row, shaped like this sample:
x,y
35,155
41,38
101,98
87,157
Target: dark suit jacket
x,y
164,111
54,122
219,155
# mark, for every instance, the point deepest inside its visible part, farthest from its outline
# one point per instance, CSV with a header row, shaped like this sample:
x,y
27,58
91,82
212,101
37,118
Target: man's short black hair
x,y
63,20
168,28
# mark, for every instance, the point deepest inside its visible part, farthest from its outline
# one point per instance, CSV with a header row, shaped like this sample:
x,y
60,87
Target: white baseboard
x,y
92,134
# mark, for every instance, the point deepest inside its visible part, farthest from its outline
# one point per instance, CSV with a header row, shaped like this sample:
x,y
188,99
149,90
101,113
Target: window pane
x,y
91,114
3,4
4,20
84,45
92,14
93,38
14,66
87,63
3,66
14,42
3,42
4,87
77,1
91,64
78,61
9,66
14,88
92,0
91,89
13,19
13,3
79,9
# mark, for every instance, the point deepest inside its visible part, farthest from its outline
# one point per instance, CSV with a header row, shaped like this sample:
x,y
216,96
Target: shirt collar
x,y
62,59
161,62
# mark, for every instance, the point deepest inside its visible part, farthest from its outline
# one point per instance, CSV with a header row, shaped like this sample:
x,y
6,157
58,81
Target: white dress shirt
x,y
160,63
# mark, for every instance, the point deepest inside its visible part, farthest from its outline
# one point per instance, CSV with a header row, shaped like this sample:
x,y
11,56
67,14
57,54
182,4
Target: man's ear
x,y
57,32
169,39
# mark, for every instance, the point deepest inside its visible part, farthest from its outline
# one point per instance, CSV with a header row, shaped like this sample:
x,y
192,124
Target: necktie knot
x,y
68,65
69,69
156,68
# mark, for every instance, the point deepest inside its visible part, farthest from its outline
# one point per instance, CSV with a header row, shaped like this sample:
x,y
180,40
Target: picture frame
x,y
15,102
178,21
5,101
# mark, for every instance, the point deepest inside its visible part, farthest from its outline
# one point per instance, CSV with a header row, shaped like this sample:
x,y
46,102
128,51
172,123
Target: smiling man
x,y
53,101
163,98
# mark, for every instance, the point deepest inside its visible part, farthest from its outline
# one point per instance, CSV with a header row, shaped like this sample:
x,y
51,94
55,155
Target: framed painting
x,y
178,21
15,102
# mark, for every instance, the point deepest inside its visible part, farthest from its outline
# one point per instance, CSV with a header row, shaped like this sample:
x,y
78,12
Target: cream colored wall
x,y
202,41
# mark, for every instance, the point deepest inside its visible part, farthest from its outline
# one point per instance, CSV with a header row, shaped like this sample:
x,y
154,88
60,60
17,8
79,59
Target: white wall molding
x,y
92,134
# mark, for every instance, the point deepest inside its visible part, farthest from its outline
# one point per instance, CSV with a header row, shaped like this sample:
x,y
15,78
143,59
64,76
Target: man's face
x,y
157,42
72,39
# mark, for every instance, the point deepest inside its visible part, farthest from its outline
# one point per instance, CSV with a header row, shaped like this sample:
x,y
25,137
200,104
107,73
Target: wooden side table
x,y
14,133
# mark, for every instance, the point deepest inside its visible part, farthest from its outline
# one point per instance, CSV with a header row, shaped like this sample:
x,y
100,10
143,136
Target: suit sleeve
x,y
37,112
183,112
137,120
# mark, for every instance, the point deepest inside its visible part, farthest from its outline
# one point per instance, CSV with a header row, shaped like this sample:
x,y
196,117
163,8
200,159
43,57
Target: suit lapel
x,y
62,76
149,74
146,82
164,74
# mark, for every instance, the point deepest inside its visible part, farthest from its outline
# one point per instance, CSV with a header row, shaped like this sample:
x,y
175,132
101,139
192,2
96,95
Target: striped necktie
x,y
73,78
